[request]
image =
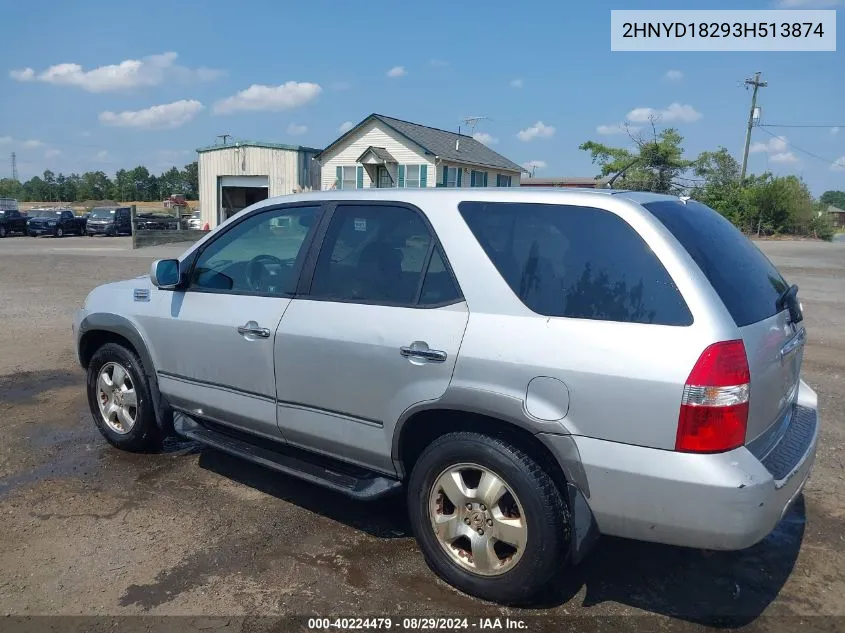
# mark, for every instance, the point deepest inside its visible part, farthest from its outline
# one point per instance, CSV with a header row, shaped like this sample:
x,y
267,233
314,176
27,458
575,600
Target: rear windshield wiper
x,y
788,300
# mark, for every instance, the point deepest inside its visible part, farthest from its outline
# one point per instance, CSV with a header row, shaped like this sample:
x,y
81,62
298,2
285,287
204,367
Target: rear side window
x,y
746,281
576,262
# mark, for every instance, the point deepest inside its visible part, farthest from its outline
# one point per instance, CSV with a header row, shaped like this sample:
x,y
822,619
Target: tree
x,y
192,180
656,165
10,188
719,186
835,198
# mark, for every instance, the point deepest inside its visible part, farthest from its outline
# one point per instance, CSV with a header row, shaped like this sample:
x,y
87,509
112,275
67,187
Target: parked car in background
x,y
195,221
55,222
12,221
109,221
532,368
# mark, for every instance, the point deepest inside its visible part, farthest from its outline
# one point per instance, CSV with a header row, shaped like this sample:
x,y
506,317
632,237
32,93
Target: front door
x,y
215,343
377,331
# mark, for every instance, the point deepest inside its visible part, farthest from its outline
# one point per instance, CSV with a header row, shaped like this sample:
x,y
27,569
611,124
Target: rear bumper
x,y
726,501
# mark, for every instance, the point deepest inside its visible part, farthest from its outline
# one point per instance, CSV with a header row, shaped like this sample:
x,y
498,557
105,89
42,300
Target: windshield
x,y
44,213
102,212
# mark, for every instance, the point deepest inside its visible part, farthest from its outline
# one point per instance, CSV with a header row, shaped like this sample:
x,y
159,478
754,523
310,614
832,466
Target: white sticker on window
x,y
360,224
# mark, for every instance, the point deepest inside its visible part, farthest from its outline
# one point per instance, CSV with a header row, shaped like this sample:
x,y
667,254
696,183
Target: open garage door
x,y
239,192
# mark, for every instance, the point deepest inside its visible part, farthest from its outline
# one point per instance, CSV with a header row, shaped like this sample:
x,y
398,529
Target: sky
x,y
106,85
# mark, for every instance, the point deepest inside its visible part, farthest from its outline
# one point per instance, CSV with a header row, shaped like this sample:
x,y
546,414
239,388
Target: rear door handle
x,y
416,350
251,328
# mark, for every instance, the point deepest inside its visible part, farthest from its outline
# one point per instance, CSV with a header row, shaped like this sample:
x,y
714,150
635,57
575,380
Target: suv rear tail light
x,y
714,405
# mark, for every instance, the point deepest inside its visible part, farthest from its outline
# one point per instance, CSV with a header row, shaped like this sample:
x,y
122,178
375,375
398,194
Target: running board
x,y
348,480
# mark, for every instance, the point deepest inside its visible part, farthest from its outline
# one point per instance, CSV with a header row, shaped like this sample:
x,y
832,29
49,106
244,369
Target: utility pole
x,y
755,81
14,167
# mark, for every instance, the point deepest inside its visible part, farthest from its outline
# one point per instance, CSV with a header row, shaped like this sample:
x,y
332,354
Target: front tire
x,y
3,231
489,520
120,401
59,232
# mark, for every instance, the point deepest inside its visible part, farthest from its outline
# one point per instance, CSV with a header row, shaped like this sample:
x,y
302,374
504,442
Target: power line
x,y
14,167
801,149
803,125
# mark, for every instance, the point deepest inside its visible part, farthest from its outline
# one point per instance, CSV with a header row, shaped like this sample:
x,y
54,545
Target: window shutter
x,y
359,177
484,180
445,182
460,172
423,175
338,181
401,176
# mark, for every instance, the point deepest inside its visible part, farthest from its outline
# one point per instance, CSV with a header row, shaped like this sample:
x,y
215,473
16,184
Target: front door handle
x,y
421,351
251,328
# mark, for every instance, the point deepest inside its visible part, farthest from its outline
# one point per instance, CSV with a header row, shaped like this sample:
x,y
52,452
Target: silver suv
x,y
534,368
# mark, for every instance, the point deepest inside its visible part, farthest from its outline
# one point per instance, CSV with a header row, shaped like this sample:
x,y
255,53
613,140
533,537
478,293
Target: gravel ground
x,y
87,530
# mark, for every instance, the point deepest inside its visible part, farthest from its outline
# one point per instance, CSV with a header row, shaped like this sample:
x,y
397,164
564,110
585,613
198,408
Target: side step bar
x,y
348,480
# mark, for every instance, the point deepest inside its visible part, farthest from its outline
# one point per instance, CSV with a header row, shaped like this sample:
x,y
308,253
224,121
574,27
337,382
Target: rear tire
x,y
483,560
59,232
115,372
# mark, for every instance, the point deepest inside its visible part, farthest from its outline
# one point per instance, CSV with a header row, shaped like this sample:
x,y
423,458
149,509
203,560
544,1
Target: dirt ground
x,y
87,530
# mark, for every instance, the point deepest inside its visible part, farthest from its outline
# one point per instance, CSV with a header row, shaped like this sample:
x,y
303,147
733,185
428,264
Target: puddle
x,y
25,387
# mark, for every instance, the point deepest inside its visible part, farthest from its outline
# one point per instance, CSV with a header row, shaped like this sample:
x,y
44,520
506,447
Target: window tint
x,y
746,281
576,262
258,255
438,286
372,254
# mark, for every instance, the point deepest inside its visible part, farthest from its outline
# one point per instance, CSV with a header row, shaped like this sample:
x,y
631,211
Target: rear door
x,y
376,330
750,287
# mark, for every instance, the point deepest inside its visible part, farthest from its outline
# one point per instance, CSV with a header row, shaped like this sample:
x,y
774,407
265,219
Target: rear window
x,y
576,262
746,281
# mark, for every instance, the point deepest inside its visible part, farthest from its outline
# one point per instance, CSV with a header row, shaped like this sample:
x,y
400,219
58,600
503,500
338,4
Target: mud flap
x,y
585,532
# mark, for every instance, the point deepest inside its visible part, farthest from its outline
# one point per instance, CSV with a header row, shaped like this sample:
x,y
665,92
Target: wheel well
x,y
424,427
94,340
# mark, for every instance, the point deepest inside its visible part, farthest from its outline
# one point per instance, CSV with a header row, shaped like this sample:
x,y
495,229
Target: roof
x,y
564,180
439,143
293,148
832,209
380,153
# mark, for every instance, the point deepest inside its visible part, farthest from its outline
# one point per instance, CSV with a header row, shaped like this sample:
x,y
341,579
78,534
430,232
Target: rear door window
x,y
743,277
577,262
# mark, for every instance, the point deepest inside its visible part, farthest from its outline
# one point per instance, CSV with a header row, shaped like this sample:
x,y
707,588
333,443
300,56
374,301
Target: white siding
x,y
373,134
283,168
466,176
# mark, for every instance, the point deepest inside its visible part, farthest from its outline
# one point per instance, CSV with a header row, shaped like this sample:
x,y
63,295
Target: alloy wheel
x,y
117,398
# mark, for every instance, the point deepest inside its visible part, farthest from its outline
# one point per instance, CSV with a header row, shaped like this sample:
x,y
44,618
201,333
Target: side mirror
x,y
164,273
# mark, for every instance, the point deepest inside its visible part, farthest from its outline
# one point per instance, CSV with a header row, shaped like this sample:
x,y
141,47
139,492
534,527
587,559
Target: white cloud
x,y
52,153
838,164
807,4
784,157
674,75
29,144
286,96
538,130
345,127
128,74
675,112
516,83
775,145
834,130
617,128
5,140
32,143
297,130
531,165
25,74
484,137
102,154
165,116
397,71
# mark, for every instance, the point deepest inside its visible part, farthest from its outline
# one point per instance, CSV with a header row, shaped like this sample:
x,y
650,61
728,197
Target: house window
x,y
451,176
478,178
384,179
349,180
412,176
503,181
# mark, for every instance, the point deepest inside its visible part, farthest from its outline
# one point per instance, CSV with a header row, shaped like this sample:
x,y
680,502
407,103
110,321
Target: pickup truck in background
x,y
55,222
12,221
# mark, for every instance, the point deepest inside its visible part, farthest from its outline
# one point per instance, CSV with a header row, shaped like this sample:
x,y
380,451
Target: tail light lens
x,y
714,406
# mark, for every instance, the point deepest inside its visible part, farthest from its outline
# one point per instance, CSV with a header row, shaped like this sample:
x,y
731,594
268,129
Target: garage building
x,y
237,174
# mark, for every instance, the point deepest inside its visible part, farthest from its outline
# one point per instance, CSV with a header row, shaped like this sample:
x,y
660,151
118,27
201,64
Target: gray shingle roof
x,y
442,143
378,152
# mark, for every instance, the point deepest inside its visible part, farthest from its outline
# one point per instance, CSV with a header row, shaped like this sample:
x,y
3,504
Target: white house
x,y
240,173
385,152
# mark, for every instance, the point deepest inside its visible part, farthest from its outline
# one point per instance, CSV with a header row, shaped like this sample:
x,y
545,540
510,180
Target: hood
x,y
40,220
